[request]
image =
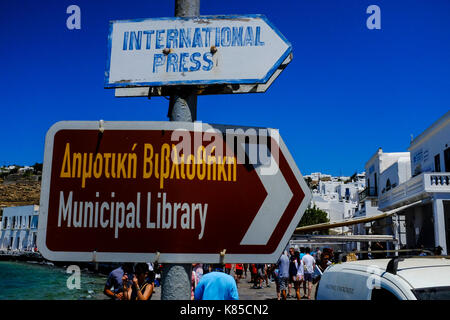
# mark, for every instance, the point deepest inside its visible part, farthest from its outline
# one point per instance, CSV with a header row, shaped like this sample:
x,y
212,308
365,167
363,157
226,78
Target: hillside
x,y
19,193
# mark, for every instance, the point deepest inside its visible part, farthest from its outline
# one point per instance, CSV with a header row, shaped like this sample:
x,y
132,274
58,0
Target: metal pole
x,y
176,278
183,104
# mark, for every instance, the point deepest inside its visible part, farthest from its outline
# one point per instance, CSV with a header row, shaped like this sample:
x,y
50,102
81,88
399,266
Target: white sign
x,y
194,51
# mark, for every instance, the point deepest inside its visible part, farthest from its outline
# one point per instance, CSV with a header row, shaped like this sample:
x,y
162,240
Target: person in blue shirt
x,y
216,285
114,287
283,278
302,252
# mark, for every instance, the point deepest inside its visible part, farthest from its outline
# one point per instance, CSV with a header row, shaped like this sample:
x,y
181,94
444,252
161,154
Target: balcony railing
x,y
437,181
367,193
416,188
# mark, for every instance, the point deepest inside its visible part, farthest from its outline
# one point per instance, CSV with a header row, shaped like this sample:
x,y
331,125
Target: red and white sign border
x,y
146,256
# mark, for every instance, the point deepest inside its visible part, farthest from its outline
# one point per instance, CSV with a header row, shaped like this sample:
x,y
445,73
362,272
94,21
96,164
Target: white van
x,y
380,279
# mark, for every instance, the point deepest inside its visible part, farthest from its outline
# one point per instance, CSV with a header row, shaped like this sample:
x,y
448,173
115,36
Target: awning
x,y
349,222
309,239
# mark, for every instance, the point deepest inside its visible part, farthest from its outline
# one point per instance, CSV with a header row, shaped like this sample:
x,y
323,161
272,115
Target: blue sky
x,y
348,90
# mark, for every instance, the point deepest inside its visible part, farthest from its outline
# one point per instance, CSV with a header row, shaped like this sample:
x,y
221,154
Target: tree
x,y
314,216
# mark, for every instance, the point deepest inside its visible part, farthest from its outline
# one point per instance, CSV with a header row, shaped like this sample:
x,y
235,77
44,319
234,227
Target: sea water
x,y
33,281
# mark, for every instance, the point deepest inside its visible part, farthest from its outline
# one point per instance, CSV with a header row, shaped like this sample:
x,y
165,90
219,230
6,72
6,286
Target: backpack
x,y
292,268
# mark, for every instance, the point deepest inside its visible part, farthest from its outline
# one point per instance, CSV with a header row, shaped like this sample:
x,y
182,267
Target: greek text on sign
x,y
193,51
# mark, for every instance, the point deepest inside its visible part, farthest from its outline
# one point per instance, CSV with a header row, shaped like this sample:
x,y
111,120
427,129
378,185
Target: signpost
x,y
115,191
197,51
183,191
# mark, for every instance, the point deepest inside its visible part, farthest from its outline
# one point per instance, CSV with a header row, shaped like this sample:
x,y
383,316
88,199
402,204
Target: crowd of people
x,y
296,269
138,281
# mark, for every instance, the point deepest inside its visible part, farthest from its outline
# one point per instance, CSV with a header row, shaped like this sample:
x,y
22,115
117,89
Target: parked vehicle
x,y
387,279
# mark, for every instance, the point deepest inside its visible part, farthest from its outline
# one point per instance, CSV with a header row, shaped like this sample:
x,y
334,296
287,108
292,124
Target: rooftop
x,y
431,130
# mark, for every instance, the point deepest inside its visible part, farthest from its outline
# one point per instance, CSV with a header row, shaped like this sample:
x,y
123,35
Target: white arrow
x,y
278,197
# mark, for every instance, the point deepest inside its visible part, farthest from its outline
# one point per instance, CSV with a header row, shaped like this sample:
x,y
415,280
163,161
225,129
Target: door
x,y
447,223
447,159
376,185
437,163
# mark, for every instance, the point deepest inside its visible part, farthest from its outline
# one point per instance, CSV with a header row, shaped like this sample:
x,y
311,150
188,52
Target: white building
x,y
317,176
25,169
384,171
4,170
338,199
360,180
18,228
424,198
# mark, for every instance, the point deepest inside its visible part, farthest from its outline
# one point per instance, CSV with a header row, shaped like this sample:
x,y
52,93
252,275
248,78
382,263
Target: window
x,y
437,293
417,170
388,185
34,222
447,159
376,184
437,163
383,295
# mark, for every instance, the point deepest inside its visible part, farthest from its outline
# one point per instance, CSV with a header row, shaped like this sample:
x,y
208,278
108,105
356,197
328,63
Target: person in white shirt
x,y
310,265
299,276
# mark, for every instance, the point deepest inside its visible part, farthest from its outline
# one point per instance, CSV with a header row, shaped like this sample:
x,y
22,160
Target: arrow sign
x,y
206,50
182,192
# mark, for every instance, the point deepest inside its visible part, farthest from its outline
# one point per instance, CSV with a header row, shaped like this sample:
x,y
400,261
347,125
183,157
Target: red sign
x,y
179,192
